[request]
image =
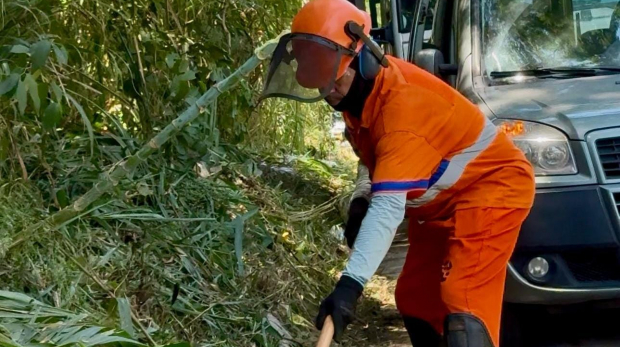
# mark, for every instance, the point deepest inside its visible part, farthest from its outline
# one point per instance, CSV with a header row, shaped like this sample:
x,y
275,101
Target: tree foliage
x,y
91,73
210,234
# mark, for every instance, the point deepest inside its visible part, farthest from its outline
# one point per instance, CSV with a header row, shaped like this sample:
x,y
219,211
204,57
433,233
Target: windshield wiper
x,y
559,72
608,68
597,70
545,72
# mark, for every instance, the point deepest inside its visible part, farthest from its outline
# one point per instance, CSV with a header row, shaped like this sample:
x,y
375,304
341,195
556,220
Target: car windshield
x,y
522,35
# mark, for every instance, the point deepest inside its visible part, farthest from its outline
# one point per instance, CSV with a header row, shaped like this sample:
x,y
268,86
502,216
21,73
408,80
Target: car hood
x,y
575,106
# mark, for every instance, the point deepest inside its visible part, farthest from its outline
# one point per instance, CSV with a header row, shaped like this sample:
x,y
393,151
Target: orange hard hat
x,y
325,37
328,19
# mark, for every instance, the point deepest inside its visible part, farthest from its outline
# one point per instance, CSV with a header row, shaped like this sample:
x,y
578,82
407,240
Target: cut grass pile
x,y
215,260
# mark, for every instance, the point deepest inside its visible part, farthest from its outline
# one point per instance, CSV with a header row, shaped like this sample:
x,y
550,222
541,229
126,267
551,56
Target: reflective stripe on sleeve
x,y
395,186
456,165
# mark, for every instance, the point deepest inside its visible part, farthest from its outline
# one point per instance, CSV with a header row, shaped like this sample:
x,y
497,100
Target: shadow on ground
x,y
380,323
584,325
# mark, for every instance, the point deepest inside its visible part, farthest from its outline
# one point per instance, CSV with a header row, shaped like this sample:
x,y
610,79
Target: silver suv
x,y
548,72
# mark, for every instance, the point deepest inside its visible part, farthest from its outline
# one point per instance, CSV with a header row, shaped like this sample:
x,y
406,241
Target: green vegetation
x,y
221,237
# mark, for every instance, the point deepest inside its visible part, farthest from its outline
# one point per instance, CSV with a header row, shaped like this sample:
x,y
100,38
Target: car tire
x,y
514,331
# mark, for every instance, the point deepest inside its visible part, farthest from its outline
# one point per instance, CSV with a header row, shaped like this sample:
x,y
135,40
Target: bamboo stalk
x,y
127,167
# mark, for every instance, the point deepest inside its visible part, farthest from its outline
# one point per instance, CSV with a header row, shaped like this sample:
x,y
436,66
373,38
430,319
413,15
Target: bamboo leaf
x,y
86,121
61,195
43,89
239,245
9,83
171,59
75,335
249,214
20,49
33,90
102,339
152,217
57,92
124,313
53,114
21,95
179,88
187,76
7,342
184,65
39,53
106,258
18,297
180,344
61,54
238,224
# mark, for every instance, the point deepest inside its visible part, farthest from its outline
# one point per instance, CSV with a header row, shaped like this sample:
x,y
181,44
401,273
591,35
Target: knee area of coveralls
x,y
466,330
460,330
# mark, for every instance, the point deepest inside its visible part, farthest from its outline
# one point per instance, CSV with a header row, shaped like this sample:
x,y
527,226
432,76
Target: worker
x,y
430,155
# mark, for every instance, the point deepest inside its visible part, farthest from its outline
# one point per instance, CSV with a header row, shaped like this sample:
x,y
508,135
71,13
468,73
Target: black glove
x,y
357,212
340,305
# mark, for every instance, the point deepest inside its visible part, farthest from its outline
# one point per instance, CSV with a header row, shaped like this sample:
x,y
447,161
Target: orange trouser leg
x,y
418,290
470,275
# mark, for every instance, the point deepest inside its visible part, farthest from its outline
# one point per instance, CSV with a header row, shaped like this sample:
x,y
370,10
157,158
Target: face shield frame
x,y
284,54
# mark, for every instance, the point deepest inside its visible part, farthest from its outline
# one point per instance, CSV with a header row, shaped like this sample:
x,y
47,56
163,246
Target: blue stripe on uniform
x,y
402,186
443,165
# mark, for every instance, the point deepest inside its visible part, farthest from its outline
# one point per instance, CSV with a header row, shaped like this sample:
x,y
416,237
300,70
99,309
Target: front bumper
x,y
577,230
521,291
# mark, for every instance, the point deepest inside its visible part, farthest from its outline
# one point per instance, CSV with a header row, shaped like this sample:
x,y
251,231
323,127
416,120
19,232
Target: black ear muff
x,y
369,65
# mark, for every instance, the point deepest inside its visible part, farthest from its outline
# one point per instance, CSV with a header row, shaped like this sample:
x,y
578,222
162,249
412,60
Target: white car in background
x,y
338,126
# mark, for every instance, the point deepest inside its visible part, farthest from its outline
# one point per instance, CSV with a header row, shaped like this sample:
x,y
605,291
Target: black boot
x,y
465,330
421,333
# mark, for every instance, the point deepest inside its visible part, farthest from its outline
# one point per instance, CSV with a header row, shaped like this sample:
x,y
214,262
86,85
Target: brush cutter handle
x,y
325,340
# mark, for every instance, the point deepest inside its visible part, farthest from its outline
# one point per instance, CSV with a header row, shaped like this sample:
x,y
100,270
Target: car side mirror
x,y
431,60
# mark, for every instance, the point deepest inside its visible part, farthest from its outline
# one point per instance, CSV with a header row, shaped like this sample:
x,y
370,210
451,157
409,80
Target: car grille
x,y
599,266
609,155
617,201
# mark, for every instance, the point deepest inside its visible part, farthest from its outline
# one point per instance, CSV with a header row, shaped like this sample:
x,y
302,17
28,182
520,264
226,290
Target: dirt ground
x,y
384,326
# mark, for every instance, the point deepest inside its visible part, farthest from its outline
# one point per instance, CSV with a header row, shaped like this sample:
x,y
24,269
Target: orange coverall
x,y
469,188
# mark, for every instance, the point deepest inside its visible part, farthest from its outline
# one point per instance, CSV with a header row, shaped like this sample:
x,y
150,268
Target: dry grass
x,y
184,270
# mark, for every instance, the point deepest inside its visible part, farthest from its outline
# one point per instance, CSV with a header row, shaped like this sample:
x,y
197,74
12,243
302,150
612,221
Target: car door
x,y
435,29
406,27
403,17
391,23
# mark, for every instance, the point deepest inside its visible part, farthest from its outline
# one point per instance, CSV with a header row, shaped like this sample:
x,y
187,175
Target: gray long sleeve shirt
x,y
385,213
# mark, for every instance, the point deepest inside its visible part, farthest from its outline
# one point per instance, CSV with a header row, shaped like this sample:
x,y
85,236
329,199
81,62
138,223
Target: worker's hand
x,y
357,212
340,305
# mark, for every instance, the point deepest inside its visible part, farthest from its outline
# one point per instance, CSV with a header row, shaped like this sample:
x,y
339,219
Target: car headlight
x,y
545,147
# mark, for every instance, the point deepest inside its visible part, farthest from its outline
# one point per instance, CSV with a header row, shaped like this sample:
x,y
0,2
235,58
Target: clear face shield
x,y
304,67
